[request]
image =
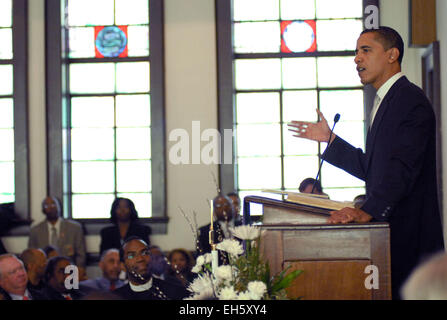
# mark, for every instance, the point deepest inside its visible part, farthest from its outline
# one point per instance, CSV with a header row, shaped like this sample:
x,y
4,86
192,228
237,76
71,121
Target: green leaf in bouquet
x,y
287,280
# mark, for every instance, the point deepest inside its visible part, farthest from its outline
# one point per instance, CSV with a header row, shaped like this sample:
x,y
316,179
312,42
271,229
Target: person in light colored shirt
x,y
111,269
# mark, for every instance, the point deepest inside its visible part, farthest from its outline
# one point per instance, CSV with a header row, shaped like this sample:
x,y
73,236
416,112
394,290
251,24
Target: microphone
x,y
336,118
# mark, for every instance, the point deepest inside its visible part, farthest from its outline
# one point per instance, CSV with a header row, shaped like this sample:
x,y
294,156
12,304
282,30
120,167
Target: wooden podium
x,y
336,259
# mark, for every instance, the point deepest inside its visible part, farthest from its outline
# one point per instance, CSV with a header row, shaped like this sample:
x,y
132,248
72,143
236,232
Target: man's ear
x,y
393,55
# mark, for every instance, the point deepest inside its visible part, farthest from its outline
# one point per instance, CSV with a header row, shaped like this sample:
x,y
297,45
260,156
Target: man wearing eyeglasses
x,y
136,256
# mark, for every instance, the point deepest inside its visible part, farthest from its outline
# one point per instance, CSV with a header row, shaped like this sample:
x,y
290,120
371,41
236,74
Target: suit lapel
x,y
384,106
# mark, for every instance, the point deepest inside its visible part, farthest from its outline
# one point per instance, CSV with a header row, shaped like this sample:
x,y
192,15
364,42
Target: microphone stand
x,y
336,118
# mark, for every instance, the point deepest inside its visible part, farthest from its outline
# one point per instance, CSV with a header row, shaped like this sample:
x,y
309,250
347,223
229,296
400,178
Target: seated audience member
x,y
55,276
225,214
65,235
160,264
110,266
50,251
359,200
35,262
135,255
428,281
307,184
14,280
181,263
125,221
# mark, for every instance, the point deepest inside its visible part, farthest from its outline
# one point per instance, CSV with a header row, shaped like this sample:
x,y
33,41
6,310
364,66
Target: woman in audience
x,y
124,217
181,263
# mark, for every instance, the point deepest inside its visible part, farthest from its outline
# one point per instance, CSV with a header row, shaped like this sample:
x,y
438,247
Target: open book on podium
x,y
300,208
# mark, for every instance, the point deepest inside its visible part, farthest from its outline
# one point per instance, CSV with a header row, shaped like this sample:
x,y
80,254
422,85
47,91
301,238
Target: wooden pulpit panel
x,y
329,280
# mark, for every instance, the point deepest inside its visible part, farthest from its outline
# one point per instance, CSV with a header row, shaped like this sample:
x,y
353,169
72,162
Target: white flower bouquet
x,y
246,277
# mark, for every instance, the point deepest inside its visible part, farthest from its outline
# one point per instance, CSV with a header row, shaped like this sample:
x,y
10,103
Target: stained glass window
x,y
7,165
109,107
289,58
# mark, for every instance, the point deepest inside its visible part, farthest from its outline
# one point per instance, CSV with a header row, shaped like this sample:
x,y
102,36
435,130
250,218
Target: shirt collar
x,y
142,287
57,225
20,297
383,90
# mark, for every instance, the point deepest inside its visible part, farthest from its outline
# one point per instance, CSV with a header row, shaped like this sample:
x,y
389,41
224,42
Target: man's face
x,y
223,209
13,277
137,260
51,208
110,266
372,60
57,281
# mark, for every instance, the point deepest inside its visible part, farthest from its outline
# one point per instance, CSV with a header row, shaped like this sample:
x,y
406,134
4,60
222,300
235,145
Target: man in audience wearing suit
x,y
111,269
399,163
66,235
227,218
35,261
136,256
56,274
14,280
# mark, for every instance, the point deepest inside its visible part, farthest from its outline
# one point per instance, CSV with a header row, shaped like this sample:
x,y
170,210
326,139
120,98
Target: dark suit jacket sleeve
x,y
405,162
343,155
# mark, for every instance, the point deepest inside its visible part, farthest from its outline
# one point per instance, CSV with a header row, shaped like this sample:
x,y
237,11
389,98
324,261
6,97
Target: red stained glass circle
x,y
298,36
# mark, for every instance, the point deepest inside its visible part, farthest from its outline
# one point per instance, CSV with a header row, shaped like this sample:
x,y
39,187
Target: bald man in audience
x,y
111,268
35,261
428,281
14,280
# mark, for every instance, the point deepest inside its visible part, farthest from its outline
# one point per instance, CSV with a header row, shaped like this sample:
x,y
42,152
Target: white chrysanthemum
x,y
199,263
224,273
231,246
200,284
257,289
201,260
227,293
246,232
207,257
207,294
244,296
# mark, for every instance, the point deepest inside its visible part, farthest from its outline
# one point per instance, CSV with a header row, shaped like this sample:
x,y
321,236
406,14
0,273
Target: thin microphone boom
x,y
336,118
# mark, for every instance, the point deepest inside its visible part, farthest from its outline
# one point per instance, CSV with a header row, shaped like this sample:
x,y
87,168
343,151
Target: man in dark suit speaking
x,y
399,162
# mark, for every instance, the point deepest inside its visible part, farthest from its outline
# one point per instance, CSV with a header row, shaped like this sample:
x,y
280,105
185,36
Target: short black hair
x,y
389,38
115,204
51,265
48,249
310,181
126,241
